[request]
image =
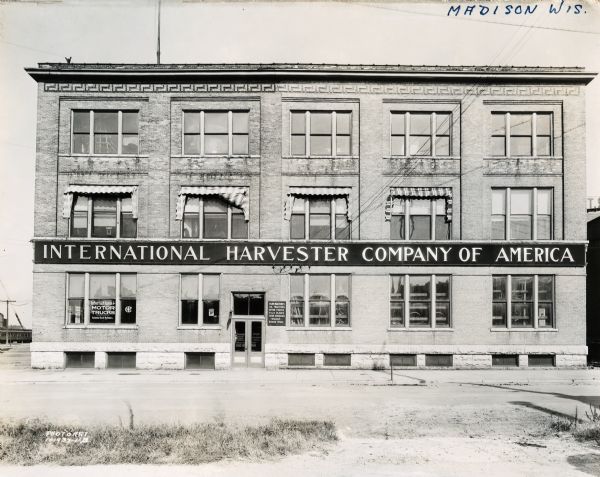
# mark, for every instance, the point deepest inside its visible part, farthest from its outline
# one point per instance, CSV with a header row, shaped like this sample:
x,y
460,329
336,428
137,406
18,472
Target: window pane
x,y
498,224
104,217
76,285
499,288
342,227
210,287
79,218
397,227
543,145
342,313
420,207
191,225
128,285
320,206
544,227
130,122
543,123
320,226
81,121
81,143
215,225
102,285
239,226
520,146
442,146
189,287
191,123
297,313
522,288
419,313
297,287
522,315
498,124
398,126
106,122
499,314
521,201
256,304
545,288
443,124
129,144
214,205
498,146
240,144
210,312
319,313
319,287
498,201
299,145
398,146
215,123
240,123
341,205
420,287
297,226
191,144
189,312
397,314
76,311
342,287
105,143
343,123
545,318
320,145
420,145
442,287
320,123
342,146
442,228
397,289
298,123
520,124
128,308
420,124
216,144
420,227
520,227
442,315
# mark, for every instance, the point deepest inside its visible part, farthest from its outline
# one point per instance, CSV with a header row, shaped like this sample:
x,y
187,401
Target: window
x,y
199,360
103,216
523,301
419,219
529,134
213,218
192,288
414,297
105,132
522,214
80,360
420,134
331,359
301,359
215,133
319,218
120,360
249,304
320,133
101,298
312,302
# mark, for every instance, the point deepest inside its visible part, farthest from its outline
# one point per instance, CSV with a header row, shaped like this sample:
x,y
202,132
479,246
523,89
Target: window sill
x,y
200,327
317,328
493,158
429,330
524,330
217,156
101,327
321,157
422,157
116,156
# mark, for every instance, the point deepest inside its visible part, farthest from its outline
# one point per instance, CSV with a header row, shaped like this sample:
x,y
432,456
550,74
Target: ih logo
x,y
128,309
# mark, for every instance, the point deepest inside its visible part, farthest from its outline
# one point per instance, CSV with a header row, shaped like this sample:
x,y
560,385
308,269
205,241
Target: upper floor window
x,y
103,216
522,214
521,134
420,134
320,133
105,132
213,218
319,218
215,133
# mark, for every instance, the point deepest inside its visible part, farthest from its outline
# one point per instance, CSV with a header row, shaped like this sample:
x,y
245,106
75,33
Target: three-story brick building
x,y
309,215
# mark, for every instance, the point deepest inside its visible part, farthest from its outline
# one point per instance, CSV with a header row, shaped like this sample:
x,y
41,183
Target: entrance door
x,y
248,329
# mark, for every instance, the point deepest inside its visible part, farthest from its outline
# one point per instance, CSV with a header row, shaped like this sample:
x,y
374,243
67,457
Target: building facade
x,y
309,216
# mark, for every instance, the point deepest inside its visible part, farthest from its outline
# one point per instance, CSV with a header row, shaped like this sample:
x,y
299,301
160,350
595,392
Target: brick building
x,y
309,215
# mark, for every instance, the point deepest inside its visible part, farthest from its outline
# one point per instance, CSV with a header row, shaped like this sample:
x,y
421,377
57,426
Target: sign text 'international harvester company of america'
x,y
556,254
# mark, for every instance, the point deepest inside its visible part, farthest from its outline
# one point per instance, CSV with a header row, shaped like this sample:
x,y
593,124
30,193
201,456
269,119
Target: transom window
x,y
523,301
321,133
196,287
101,298
211,217
103,216
413,299
312,302
522,214
105,132
419,219
320,218
420,134
529,134
215,133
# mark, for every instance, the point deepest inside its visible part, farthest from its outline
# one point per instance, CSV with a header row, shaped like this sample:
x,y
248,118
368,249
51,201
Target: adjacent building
x,y
297,215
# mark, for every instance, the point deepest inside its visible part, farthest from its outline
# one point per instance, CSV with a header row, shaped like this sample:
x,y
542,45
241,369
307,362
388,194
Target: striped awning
x,y
236,196
315,191
419,193
88,190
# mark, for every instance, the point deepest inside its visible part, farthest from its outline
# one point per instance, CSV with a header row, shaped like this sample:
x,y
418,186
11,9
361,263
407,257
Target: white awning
x,y
98,190
315,191
237,196
419,193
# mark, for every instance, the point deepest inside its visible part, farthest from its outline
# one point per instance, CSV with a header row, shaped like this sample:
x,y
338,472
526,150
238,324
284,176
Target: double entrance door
x,y
248,328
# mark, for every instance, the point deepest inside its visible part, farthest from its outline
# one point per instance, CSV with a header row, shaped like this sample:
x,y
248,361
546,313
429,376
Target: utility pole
x,y
158,37
7,302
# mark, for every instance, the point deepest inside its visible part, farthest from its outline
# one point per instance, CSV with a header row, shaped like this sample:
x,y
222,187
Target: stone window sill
x,y
100,327
524,330
426,330
317,328
199,327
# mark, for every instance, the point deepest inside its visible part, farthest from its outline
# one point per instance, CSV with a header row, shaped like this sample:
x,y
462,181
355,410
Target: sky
x,y
124,31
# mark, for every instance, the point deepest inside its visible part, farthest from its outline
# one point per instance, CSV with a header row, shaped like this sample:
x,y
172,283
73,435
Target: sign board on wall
x,y
102,311
132,252
276,313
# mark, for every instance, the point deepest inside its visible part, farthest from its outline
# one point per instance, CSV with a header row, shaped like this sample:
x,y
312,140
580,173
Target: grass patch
x,y
27,443
582,430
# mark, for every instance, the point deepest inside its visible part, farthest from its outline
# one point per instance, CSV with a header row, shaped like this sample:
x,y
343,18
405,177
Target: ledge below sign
x,y
143,252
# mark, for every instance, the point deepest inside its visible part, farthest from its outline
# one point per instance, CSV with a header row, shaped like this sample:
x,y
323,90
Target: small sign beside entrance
x,y
276,313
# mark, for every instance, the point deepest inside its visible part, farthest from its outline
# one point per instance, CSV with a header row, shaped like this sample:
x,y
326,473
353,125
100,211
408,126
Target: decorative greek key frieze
x,y
317,88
